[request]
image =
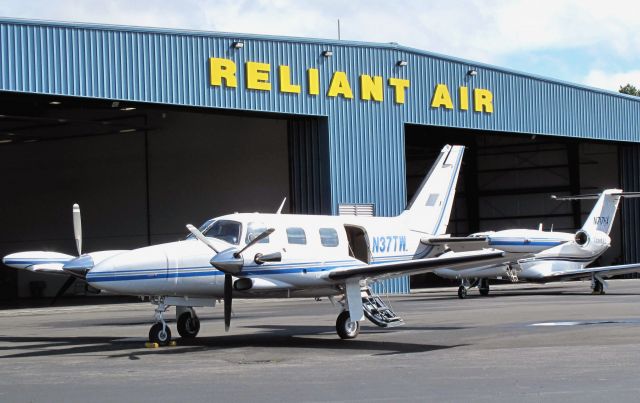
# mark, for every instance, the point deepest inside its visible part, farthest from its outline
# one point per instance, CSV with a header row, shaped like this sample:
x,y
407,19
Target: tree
x,y
629,90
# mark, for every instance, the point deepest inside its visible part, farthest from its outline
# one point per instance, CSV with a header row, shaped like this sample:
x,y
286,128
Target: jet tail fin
x,y
430,208
604,212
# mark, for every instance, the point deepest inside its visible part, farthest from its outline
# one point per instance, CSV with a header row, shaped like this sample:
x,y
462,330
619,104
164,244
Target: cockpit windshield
x,y
225,230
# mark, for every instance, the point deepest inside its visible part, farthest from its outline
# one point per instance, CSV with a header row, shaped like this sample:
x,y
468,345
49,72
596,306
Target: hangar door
x,y
507,179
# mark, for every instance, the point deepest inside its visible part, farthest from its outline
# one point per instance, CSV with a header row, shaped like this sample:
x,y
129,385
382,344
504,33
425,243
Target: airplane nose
x,y
124,272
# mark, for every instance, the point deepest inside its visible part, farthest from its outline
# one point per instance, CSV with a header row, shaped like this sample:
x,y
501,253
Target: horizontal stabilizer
x,y
594,196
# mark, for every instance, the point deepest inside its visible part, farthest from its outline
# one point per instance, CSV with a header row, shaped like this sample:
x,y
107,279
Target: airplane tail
x,y
430,208
604,212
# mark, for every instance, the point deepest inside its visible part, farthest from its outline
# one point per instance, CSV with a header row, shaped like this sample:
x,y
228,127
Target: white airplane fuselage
x,y
538,255
183,268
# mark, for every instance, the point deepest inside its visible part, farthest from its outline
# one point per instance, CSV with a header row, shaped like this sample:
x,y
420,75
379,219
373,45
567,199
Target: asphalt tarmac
x,y
522,343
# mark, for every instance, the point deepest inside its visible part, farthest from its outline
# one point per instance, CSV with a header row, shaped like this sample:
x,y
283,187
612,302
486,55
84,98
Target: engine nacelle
x,y
584,238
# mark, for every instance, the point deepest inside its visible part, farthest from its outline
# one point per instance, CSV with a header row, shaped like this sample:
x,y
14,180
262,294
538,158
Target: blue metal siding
x,y
365,138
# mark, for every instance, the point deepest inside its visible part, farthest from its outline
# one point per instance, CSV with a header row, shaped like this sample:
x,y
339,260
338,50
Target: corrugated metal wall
x,y
365,137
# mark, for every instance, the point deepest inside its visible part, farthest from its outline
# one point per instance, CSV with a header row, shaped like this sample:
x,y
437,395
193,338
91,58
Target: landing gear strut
x,y
160,332
464,287
345,328
484,287
597,285
188,322
462,292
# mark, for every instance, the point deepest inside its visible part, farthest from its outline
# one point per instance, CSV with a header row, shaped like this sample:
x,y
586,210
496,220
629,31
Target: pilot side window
x,y
296,236
253,230
329,237
226,230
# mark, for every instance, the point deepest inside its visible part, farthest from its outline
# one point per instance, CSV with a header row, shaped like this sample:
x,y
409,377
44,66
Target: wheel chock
x,y
173,343
151,345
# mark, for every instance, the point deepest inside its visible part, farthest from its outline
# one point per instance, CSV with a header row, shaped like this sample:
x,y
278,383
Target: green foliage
x,y
629,90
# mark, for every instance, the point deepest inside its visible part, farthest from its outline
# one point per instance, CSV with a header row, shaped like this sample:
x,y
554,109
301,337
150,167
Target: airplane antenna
x,y
540,227
281,206
551,227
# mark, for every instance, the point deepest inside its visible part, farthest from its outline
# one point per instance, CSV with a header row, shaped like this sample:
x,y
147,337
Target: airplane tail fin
x,y
604,212
430,208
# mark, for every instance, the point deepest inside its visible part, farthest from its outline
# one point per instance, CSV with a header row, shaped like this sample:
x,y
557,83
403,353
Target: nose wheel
x,y
160,332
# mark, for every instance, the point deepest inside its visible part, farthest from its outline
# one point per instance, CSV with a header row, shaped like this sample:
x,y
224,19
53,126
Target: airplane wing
x,y
604,272
458,244
38,261
458,261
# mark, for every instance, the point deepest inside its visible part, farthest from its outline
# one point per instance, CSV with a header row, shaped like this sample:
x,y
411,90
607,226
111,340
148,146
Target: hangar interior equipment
x,y
149,129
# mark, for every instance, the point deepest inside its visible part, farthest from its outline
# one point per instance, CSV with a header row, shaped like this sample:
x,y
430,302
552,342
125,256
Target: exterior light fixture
x,y
401,63
55,103
128,108
327,53
237,45
5,141
472,72
127,130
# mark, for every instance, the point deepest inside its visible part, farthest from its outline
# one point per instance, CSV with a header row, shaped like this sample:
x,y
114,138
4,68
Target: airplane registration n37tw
x,y
277,255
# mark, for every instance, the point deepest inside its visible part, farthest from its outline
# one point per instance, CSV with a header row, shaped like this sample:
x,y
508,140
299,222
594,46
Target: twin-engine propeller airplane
x,y
279,255
557,256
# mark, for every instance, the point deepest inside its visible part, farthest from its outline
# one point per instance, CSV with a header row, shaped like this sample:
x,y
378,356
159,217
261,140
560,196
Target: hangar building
x,y
149,129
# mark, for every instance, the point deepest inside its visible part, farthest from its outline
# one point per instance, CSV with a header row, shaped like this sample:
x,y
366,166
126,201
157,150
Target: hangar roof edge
x,y
335,42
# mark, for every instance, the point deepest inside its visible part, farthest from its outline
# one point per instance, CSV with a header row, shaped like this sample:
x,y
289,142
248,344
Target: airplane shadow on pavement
x,y
291,337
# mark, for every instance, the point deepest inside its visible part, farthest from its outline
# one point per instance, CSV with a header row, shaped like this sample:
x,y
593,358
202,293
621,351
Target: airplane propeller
x,y
230,262
81,264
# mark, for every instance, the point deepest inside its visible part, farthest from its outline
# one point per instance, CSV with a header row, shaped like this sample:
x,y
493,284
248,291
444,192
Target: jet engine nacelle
x,y
584,238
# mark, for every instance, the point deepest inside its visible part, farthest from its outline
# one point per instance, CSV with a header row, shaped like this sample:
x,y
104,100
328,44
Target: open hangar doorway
x,y
507,180
140,172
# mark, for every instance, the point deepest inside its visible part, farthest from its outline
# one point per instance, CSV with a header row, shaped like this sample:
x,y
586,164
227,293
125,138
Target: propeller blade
x,y
255,240
63,289
228,297
200,236
270,257
77,228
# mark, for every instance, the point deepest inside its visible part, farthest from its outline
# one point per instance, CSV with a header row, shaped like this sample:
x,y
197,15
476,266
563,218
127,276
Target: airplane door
x,y
358,243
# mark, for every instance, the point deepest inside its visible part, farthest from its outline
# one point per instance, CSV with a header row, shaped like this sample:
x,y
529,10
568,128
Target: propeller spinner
x,y
231,263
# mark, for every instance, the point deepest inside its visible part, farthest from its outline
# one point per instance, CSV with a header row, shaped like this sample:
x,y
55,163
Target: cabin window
x,y
328,237
296,236
253,230
225,230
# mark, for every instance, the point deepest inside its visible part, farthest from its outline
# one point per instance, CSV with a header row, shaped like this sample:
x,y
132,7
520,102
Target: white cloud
x,y
612,81
482,30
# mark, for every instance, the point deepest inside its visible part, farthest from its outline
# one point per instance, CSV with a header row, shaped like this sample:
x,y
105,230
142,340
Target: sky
x,y
590,42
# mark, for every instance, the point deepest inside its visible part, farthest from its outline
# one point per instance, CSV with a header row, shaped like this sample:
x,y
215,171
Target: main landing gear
x,y
482,284
597,286
188,322
346,328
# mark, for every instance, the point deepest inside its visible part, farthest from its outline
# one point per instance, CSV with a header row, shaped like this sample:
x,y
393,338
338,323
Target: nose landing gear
x,y
160,332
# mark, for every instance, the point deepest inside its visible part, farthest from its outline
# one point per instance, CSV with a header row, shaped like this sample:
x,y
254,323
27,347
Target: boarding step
x,y
378,312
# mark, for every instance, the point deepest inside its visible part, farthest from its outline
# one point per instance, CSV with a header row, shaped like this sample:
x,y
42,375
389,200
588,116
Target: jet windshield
x,y
225,230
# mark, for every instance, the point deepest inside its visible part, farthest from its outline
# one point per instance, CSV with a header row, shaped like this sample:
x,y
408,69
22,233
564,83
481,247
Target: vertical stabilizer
x,y
603,213
430,208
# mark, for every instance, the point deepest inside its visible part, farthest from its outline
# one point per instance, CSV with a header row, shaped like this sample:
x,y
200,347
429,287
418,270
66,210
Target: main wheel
x,y
188,325
598,288
160,334
345,327
462,292
484,287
